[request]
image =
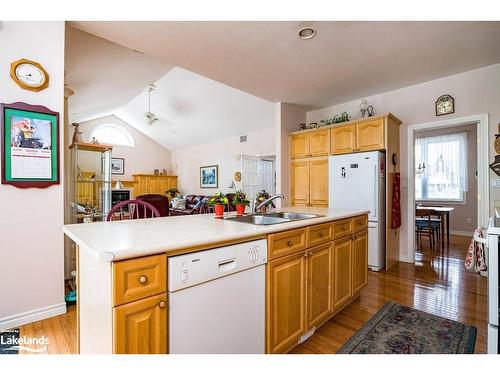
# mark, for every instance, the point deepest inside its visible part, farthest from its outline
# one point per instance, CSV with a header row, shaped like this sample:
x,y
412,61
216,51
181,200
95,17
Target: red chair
x,y
160,202
131,210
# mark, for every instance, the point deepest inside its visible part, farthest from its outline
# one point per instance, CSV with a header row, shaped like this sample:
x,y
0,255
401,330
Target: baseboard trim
x,y
17,320
405,259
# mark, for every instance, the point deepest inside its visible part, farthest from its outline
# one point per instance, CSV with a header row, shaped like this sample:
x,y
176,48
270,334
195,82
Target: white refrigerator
x,y
358,181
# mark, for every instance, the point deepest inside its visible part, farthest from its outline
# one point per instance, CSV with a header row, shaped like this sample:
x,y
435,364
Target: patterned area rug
x,y
402,330
7,344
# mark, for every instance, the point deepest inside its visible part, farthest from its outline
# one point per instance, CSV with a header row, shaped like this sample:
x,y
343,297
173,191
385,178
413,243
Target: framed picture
x,y
209,176
117,166
30,145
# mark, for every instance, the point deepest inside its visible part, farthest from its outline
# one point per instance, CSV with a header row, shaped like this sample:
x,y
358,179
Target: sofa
x,y
160,202
194,205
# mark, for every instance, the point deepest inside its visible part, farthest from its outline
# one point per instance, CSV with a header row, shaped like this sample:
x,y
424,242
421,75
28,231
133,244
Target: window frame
x,y
115,127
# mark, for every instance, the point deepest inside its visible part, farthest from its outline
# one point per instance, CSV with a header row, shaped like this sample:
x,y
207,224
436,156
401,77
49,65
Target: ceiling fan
x,y
150,116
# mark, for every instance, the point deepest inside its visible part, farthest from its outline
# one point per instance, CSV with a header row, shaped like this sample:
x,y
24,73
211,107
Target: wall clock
x,y
29,75
445,105
237,176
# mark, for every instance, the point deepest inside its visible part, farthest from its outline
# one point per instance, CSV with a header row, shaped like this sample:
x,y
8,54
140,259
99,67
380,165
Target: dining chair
x,y
131,210
425,226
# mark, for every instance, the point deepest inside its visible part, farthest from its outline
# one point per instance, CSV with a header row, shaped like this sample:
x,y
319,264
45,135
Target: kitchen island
x,y
315,267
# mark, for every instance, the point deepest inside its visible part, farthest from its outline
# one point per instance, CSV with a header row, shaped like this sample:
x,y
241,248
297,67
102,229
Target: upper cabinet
x,y
299,146
315,143
344,139
370,135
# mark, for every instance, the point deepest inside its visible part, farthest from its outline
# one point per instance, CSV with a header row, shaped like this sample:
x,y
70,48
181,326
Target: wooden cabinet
x,y
318,183
299,146
153,184
310,183
141,327
315,143
319,285
343,139
370,135
319,143
360,261
342,272
300,183
284,243
286,302
308,286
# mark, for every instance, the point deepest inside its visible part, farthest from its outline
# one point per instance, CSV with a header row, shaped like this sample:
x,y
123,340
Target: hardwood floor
x,y
438,285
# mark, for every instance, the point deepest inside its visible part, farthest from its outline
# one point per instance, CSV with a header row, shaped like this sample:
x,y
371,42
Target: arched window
x,y
113,134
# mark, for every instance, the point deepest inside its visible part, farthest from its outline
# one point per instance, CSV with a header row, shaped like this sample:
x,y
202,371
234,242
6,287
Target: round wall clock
x,y
445,105
29,75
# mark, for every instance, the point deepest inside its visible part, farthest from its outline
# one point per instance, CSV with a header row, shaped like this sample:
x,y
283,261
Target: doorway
x,y
445,183
258,173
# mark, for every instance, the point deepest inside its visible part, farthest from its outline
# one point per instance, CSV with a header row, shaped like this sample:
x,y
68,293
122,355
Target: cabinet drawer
x,y
319,234
138,278
285,243
342,228
360,223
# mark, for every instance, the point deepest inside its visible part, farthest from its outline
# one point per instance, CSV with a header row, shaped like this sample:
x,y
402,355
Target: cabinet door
x,y
319,284
343,139
318,183
342,272
154,185
360,261
141,327
370,135
319,143
300,183
141,185
299,145
286,300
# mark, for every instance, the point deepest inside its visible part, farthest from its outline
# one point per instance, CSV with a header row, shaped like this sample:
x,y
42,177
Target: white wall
x,y
31,220
475,92
224,152
145,157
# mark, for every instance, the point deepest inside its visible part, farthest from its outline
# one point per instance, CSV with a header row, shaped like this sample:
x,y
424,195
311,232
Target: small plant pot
x,y
219,210
240,209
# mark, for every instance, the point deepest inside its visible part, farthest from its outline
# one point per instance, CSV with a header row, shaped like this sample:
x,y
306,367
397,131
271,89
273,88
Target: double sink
x,y
273,218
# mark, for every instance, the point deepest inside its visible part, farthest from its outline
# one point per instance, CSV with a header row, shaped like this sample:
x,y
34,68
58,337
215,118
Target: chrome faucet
x,y
256,207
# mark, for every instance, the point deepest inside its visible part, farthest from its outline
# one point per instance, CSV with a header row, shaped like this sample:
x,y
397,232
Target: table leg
x,y
448,229
442,232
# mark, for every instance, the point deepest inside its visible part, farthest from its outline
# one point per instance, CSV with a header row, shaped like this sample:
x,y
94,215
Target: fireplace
x,y
118,196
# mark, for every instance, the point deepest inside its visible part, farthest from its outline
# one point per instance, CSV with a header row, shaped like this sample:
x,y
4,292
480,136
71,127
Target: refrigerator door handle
x,y
375,186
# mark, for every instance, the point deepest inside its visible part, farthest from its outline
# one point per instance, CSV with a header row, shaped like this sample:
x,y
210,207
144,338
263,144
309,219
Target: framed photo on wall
x,y
117,166
29,145
209,176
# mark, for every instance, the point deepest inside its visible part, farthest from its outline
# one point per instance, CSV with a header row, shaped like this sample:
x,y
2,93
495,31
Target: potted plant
x,y
240,201
219,200
261,197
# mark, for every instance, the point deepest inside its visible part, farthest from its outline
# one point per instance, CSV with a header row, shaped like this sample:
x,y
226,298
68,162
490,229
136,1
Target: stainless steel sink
x,y
272,218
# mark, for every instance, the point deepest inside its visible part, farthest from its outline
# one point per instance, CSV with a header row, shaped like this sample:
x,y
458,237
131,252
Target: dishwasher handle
x,y
227,265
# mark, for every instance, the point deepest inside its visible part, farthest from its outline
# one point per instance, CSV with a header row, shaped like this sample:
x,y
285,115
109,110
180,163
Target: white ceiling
x,y
345,61
193,109
104,75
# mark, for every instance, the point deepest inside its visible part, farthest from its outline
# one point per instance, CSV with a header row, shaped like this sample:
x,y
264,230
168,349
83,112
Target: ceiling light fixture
x,y
306,32
150,116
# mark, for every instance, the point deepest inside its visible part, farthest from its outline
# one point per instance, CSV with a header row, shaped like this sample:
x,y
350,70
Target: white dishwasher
x,y
217,300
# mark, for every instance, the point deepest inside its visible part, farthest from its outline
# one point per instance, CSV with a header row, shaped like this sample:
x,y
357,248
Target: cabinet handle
x,y
162,304
290,243
143,279
321,234
343,227
306,254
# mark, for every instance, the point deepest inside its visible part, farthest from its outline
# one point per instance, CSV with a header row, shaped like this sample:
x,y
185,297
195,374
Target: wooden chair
x,y
131,210
424,227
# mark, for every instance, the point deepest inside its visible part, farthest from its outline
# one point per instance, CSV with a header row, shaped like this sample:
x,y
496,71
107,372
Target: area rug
x,y
8,340
400,329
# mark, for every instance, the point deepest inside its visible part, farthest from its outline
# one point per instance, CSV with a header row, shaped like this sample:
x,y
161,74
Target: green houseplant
x,y
218,201
172,192
240,200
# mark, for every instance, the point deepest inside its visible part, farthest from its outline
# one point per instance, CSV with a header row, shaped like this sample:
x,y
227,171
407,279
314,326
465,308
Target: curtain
x,y
445,174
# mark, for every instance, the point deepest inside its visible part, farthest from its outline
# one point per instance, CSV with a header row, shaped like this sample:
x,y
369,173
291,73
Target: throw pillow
x,y
180,204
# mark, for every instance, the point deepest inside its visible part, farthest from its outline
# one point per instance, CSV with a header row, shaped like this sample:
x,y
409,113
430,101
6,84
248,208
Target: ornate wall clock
x,y
445,105
29,75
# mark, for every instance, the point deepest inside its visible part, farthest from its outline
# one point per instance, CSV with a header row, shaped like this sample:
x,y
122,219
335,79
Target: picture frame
x,y
118,166
209,177
29,137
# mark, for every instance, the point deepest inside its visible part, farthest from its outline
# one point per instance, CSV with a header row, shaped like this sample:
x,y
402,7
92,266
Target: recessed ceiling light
x,y
306,32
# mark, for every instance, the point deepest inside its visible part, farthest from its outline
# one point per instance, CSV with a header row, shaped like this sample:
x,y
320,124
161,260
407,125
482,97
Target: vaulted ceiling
x,y
344,61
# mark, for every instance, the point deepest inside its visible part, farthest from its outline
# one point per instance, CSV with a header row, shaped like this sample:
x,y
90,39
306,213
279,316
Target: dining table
x,y
444,214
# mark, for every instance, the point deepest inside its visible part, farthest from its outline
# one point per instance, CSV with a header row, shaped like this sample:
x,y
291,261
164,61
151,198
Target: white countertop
x,y
115,240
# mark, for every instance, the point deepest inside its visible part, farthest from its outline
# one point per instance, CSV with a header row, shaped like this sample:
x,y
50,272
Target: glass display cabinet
x,y
91,182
